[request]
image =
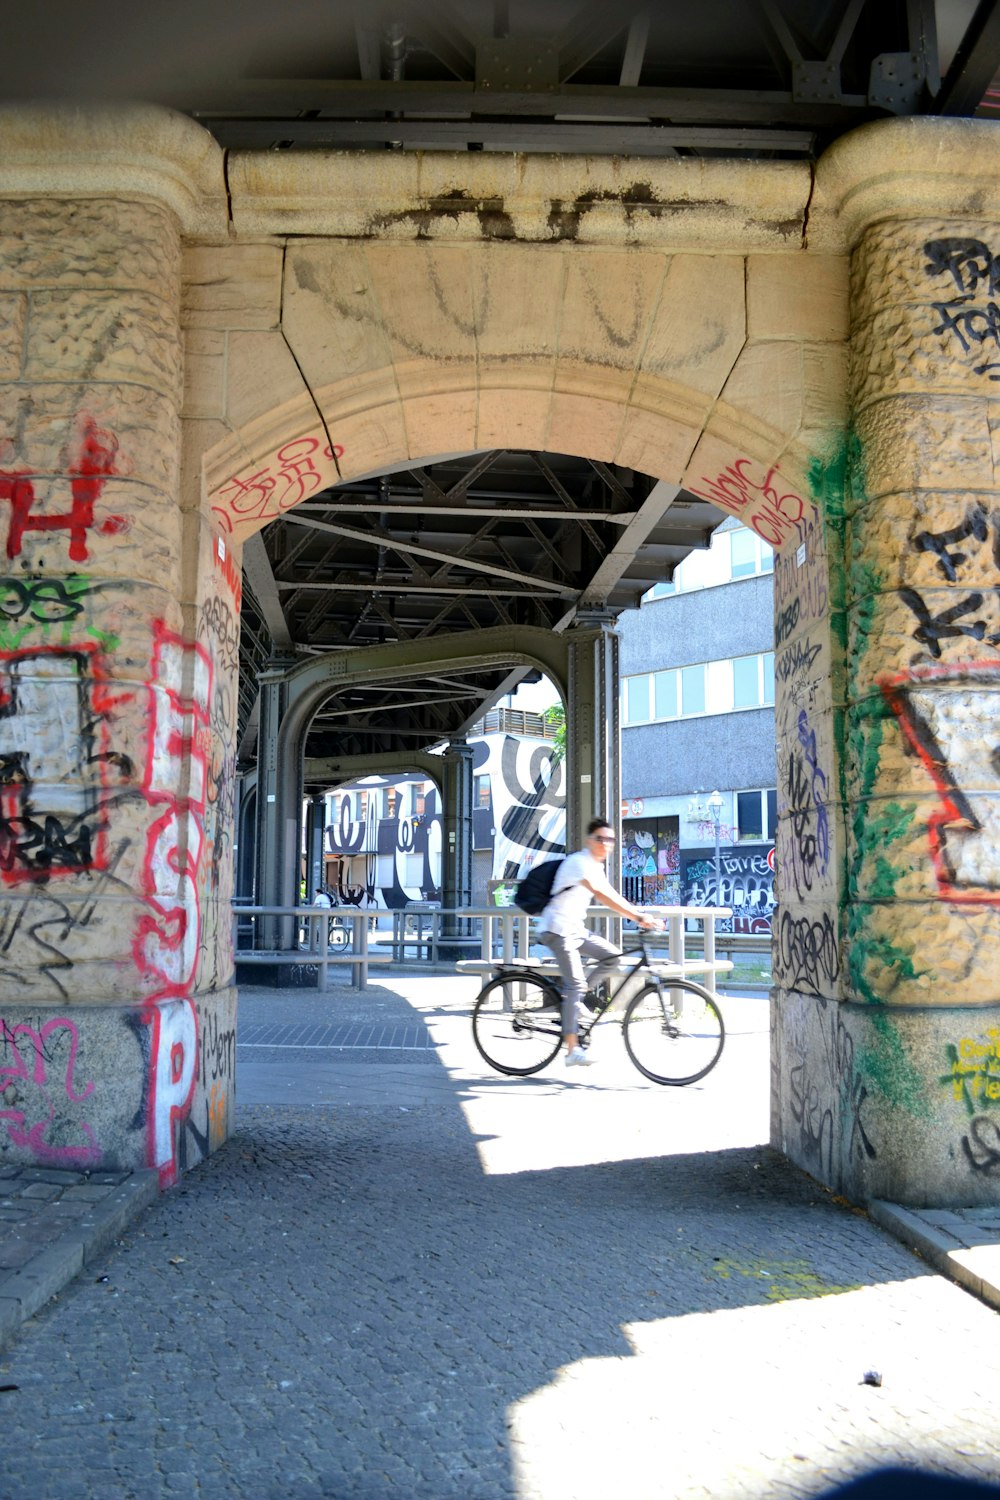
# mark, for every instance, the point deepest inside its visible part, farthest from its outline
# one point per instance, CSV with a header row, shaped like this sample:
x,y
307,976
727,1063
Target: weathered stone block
x,y
883,1102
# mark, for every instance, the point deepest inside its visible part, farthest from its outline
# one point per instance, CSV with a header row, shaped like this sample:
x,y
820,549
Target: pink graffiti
x,y
165,947
173,1070
278,486
25,1079
89,470
763,503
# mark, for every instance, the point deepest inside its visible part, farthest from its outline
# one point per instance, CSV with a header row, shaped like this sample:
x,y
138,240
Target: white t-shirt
x,y
567,908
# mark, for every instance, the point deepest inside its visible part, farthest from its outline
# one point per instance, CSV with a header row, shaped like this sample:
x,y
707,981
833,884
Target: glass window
x,y
636,700
746,682
719,692
744,545
665,695
766,556
768,676
418,802
692,690
748,815
482,791
772,814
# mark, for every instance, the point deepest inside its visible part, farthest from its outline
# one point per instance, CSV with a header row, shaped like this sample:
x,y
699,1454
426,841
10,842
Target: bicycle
x,y
673,1028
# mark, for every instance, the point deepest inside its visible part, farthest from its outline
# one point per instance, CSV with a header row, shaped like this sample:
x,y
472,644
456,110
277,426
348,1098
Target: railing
x,y
488,936
506,935
310,925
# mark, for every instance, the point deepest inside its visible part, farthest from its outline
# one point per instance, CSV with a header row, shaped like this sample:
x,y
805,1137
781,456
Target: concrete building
x,y
210,343
697,716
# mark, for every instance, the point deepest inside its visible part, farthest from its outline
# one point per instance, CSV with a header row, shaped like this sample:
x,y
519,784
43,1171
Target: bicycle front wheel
x,y
674,1032
516,1024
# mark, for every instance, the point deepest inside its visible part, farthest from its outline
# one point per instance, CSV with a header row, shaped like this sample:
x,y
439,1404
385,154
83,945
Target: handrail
x,y
505,934
313,919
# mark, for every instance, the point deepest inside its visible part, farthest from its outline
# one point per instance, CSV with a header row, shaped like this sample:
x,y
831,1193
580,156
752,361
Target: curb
x,y
28,1290
974,1267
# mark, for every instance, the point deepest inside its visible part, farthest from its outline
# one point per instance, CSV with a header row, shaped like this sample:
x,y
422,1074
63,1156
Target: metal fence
x,y
481,938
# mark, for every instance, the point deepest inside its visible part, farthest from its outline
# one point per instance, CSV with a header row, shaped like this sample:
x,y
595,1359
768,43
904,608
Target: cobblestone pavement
x,y
404,1275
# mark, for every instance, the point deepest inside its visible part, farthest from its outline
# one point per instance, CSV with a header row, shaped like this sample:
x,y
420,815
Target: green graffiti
x,y
49,608
887,1066
974,1076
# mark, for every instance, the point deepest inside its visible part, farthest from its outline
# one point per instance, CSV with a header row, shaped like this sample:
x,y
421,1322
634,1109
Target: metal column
x,y
456,852
277,826
593,756
315,833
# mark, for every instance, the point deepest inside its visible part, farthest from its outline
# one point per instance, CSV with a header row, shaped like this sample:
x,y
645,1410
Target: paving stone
x,y
446,1284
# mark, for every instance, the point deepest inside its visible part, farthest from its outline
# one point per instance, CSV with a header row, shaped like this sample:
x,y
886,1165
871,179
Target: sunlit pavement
x,y
409,1275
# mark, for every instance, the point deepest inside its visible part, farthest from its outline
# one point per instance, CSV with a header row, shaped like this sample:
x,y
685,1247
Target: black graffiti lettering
x,y
972,327
969,262
808,953
786,622
815,1123
982,1144
976,526
796,658
933,629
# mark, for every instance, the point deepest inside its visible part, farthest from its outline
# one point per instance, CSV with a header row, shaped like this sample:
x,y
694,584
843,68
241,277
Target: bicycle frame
x,y
589,1019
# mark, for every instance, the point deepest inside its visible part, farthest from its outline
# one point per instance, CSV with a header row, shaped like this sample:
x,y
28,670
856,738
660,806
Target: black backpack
x,y
535,890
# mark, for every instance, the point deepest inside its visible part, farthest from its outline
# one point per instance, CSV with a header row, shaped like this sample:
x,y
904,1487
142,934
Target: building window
x,y
757,814
739,553
482,791
714,687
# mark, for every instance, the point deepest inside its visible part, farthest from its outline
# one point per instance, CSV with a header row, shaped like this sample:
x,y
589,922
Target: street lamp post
x,y
715,812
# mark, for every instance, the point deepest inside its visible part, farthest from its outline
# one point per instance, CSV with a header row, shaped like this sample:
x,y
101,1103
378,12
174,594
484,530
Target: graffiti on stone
x,y
759,496
975,614
56,766
807,953
40,1095
949,716
90,466
298,469
970,316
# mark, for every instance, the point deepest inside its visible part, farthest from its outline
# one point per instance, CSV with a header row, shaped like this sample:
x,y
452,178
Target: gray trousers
x,y
569,953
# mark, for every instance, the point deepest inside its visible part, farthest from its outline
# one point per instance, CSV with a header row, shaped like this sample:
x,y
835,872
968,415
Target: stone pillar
x,y
116,651
593,757
888,1073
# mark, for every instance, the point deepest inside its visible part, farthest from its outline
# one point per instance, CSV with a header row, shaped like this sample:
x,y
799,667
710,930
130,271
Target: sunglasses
x,y
603,838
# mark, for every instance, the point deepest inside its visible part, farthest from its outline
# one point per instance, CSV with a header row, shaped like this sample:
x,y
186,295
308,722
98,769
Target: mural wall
x,y
521,819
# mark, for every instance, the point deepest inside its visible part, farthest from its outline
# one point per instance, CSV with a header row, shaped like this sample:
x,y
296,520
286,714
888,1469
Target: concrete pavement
x,y
405,1274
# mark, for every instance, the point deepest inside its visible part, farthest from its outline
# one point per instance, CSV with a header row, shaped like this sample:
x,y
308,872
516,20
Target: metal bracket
x,y
897,81
816,82
509,65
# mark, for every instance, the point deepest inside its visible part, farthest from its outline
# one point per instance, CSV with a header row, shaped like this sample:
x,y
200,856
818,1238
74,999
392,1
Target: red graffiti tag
x,y
948,715
762,502
89,471
278,486
165,947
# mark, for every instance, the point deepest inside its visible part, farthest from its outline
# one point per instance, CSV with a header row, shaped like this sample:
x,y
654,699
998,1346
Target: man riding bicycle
x,y
580,880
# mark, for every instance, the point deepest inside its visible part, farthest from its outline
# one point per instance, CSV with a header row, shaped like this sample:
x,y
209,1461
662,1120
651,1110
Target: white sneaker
x,y
578,1058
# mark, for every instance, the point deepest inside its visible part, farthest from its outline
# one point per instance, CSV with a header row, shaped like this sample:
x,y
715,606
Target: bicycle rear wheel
x,y
516,1024
674,1032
